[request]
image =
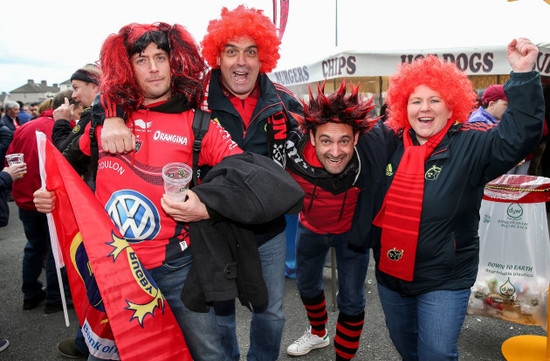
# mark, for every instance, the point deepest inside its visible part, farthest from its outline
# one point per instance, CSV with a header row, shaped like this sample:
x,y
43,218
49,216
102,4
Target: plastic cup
x,y
176,180
14,158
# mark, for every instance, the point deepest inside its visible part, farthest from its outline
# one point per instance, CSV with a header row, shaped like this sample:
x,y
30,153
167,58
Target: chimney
x,y
43,82
30,81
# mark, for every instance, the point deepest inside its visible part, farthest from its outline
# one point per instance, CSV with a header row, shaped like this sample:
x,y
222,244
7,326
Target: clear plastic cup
x,y
176,180
15,158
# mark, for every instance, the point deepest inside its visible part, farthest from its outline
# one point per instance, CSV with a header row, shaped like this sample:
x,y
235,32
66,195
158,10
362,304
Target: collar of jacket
x,y
333,183
440,151
176,105
218,101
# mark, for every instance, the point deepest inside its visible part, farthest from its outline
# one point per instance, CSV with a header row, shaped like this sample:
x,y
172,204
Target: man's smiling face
x,y
240,66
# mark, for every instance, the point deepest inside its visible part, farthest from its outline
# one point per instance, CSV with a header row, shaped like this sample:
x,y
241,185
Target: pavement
x,y
34,335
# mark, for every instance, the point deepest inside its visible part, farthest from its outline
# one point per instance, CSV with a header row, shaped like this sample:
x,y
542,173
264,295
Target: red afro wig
x,y
187,67
238,23
453,86
337,108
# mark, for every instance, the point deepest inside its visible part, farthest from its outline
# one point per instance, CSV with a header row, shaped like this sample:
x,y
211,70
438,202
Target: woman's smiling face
x,y
427,112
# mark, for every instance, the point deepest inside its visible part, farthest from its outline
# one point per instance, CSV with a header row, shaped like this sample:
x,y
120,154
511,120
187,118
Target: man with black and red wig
x,y
242,47
154,73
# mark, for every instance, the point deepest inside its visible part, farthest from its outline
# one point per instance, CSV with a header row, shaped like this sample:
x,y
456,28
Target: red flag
x,y
283,17
112,292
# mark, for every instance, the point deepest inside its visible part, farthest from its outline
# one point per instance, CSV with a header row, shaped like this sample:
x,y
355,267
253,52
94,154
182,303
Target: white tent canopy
x,y
490,60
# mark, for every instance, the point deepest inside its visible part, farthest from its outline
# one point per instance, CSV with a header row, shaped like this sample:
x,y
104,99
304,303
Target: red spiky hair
x,y
118,82
337,107
238,23
444,77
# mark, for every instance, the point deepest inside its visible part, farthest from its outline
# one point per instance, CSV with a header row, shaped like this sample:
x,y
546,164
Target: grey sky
x,y
49,40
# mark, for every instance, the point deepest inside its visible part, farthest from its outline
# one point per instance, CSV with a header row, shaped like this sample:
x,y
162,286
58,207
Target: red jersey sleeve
x,y
216,145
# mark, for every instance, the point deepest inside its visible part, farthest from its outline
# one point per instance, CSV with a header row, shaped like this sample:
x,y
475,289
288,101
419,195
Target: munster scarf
x,y
400,214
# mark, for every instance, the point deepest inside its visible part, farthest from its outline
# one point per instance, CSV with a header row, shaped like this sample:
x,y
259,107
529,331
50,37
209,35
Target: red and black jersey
x,y
130,186
330,199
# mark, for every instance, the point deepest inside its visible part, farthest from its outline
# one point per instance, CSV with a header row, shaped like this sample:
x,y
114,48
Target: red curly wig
x,y
453,86
238,23
337,108
187,67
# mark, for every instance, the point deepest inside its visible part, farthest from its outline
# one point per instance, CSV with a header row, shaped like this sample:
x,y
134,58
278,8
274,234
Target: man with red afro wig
x,y
241,47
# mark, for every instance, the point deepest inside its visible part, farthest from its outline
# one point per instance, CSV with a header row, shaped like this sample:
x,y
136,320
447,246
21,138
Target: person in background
x,y
35,224
493,105
10,117
85,84
8,175
33,110
6,135
427,259
45,105
24,115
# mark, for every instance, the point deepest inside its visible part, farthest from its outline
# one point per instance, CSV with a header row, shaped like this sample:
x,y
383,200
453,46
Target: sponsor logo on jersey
x,y
135,216
160,136
141,126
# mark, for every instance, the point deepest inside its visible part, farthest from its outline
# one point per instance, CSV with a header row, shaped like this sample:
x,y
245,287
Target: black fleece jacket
x,y
241,191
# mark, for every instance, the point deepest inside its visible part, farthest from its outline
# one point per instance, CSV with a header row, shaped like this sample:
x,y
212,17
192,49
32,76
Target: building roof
x,y
32,87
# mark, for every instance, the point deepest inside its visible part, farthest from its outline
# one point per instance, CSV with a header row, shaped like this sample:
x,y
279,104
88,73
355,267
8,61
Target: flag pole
x,y
336,24
54,243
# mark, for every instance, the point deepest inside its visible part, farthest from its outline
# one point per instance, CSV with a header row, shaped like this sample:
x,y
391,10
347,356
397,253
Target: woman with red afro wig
x,y
187,66
445,78
427,258
235,24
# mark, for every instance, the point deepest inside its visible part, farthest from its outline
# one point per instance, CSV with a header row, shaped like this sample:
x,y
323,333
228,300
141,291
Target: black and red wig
x,y
187,67
337,107
237,23
444,77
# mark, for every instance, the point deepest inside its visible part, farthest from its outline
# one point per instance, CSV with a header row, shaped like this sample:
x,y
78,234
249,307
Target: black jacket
x,y
6,135
5,186
241,191
275,101
63,133
469,156
374,149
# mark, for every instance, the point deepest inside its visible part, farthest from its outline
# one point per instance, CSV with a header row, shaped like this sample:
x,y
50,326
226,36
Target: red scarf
x,y
400,214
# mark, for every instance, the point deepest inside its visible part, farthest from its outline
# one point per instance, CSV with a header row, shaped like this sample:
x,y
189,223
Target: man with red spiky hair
x,y
327,166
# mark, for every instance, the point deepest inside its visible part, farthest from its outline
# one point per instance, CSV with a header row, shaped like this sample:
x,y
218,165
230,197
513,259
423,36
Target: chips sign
x,y
350,64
